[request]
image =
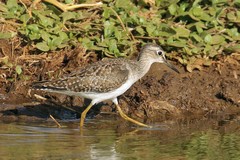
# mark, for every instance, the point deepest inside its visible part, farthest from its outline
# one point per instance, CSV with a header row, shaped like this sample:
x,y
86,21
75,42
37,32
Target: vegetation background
x,y
196,33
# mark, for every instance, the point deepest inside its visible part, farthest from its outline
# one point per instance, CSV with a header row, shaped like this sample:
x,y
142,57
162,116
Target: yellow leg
x,y
84,113
123,115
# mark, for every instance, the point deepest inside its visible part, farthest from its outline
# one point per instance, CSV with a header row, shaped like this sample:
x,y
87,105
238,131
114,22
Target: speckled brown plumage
x,y
102,76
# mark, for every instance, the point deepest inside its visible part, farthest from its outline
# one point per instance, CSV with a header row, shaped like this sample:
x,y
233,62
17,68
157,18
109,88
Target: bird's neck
x,y
144,65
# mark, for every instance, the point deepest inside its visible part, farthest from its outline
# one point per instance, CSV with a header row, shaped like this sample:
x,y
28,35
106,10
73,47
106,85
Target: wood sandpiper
x,y
107,79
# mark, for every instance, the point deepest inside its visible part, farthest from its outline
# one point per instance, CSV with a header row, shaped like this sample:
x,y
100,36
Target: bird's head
x,y
155,53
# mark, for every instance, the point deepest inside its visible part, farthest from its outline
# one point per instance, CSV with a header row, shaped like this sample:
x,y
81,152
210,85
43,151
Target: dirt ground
x,y
160,95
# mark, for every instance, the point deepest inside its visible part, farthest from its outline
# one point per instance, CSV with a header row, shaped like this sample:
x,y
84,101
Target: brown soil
x,y
161,95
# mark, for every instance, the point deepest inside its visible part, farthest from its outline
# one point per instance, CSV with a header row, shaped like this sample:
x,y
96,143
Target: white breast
x,y
98,97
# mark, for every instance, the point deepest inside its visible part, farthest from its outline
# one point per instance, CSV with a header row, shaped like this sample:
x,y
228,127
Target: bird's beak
x,y
170,65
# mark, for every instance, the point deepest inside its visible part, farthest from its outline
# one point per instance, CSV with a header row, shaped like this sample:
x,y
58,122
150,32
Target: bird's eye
x,y
159,53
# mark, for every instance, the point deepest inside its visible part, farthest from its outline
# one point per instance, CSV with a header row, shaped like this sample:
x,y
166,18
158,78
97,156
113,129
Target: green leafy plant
x,y
195,32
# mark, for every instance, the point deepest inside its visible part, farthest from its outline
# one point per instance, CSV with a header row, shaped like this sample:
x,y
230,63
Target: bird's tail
x,y
46,85
40,85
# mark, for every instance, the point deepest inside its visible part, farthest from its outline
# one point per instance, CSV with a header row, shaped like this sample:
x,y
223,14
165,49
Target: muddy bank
x,y
161,95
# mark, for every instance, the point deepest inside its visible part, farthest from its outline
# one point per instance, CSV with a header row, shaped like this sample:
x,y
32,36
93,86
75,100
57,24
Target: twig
x,y
73,110
140,37
59,125
29,12
30,104
65,7
83,5
45,99
121,22
39,97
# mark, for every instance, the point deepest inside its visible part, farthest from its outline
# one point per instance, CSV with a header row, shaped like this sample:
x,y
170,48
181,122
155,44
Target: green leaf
x,y
196,3
208,38
218,1
206,17
197,11
106,13
11,3
140,30
55,16
33,31
69,1
195,50
108,28
45,35
231,16
124,4
217,39
166,30
208,48
33,27
237,3
176,43
45,21
56,41
86,42
197,37
212,53
34,36
150,29
187,50
24,18
42,46
182,32
199,27
68,15
5,60
113,46
173,8
18,69
182,8
63,36
233,33
118,34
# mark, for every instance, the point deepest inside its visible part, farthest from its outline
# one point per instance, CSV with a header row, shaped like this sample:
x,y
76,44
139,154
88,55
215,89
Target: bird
x,y
107,79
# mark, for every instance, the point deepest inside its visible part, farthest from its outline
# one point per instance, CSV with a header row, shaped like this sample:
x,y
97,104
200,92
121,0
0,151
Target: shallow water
x,y
205,138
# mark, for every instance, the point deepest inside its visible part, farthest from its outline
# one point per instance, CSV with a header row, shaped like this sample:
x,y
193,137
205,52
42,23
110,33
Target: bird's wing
x,y
102,76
